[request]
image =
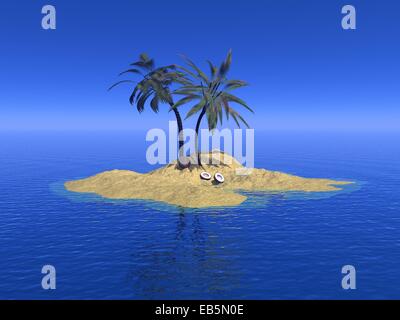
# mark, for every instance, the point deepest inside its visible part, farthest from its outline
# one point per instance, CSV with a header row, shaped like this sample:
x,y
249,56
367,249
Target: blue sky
x,y
305,71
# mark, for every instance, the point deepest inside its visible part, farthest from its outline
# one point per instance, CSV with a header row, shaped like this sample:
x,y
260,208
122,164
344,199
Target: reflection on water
x,y
204,258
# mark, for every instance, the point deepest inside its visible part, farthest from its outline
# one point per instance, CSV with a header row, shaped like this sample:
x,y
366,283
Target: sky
x,y
304,71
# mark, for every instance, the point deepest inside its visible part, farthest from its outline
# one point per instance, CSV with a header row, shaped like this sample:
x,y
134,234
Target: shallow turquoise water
x,y
273,246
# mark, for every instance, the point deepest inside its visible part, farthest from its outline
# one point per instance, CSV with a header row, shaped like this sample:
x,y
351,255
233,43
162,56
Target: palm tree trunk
x,y
203,112
181,141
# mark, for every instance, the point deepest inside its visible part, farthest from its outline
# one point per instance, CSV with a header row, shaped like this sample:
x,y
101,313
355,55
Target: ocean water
x,y
273,246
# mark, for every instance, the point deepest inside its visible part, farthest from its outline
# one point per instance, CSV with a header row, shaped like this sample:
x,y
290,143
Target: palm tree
x,y
155,84
212,94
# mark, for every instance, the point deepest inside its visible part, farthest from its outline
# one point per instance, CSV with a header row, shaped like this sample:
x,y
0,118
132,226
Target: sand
x,y
185,188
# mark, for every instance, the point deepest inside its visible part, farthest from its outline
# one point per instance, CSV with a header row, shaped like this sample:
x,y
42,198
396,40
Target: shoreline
x,y
185,188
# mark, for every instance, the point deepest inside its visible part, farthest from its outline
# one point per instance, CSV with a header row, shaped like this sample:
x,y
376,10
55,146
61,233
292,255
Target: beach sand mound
x,y
185,187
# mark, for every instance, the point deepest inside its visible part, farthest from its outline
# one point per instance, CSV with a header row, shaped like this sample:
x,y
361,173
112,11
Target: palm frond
x,y
213,69
234,84
242,119
154,104
226,107
119,82
142,100
196,108
190,73
200,73
232,98
131,71
144,62
185,100
133,94
235,115
218,107
224,68
212,117
144,57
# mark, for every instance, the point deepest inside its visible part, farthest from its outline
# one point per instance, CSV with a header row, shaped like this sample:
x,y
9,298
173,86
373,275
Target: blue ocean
x,y
273,246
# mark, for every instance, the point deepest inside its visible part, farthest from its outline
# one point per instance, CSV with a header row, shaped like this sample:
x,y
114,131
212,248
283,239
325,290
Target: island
x,y
185,188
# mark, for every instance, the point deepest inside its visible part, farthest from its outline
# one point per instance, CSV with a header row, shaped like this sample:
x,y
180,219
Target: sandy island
x,y
185,188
